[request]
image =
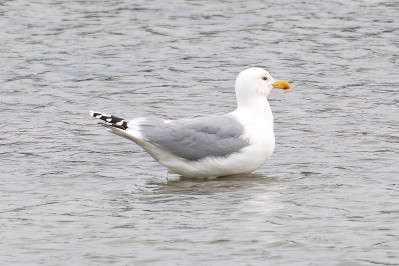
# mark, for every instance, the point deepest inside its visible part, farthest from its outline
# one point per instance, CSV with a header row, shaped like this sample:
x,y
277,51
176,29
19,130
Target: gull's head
x,y
256,83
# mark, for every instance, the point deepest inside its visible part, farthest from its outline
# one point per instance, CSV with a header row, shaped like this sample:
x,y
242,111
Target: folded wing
x,y
197,138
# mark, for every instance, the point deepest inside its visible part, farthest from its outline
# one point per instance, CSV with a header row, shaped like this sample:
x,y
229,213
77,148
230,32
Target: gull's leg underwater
x,y
166,176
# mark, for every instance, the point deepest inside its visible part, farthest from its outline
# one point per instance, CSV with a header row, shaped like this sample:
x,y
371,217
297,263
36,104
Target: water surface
x,y
73,194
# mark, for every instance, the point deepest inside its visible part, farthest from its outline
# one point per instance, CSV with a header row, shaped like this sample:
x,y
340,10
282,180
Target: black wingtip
x,y
110,120
112,125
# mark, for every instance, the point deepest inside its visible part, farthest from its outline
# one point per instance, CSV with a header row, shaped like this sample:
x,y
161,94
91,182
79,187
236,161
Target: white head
x,y
254,84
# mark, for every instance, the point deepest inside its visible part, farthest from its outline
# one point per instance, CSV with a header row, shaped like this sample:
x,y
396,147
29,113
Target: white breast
x,y
260,133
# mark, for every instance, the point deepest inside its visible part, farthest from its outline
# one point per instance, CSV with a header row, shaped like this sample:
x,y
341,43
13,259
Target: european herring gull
x,y
217,145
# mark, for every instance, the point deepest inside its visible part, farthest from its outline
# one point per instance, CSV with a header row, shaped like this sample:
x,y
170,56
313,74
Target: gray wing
x,y
197,138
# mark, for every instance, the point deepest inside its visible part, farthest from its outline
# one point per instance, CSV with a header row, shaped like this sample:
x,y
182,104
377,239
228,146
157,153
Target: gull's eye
x,y
264,78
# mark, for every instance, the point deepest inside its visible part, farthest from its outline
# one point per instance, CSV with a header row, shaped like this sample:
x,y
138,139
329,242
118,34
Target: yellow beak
x,y
281,84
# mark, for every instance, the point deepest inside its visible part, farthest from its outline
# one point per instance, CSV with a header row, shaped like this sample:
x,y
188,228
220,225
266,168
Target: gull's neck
x,y
256,107
256,104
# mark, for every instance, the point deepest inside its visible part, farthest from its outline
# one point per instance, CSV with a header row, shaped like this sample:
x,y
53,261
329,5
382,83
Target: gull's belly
x,y
255,155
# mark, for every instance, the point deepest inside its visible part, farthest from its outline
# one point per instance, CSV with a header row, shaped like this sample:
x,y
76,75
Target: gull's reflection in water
x,y
240,194
182,200
196,186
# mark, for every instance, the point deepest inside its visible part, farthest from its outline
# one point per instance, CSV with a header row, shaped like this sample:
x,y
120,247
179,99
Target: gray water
x,y
74,194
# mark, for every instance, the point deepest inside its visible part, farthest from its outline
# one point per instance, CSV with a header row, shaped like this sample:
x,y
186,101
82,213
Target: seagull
x,y
217,145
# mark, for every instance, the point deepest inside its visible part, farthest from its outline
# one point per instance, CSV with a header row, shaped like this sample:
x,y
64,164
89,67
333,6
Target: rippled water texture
x,y
74,194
